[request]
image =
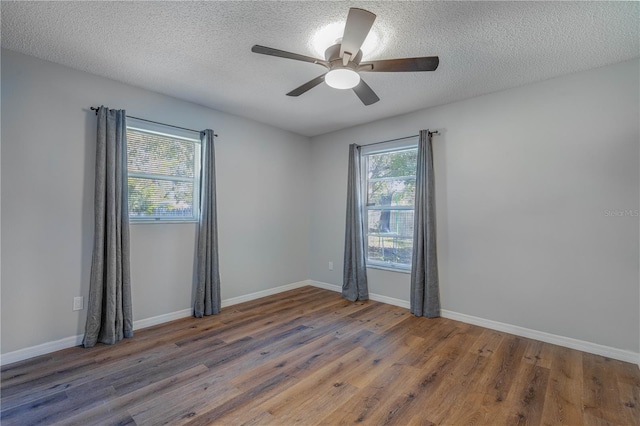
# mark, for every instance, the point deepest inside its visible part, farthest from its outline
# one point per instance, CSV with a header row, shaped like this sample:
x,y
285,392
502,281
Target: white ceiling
x,y
201,51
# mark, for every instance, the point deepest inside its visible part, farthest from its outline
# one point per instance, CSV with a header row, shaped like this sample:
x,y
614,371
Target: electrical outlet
x,y
331,266
78,303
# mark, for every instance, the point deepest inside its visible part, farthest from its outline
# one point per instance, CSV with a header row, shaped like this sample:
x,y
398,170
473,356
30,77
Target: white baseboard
x,y
264,293
373,296
159,319
69,342
581,345
44,348
326,286
568,342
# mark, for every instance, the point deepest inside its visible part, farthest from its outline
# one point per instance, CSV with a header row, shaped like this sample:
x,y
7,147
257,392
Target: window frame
x,y
143,126
382,148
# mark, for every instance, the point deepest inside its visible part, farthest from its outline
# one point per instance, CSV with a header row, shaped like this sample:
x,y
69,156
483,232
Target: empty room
x,y
306,212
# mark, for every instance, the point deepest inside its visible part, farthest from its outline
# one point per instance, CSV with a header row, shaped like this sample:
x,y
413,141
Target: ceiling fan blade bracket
x,y
323,63
332,54
365,67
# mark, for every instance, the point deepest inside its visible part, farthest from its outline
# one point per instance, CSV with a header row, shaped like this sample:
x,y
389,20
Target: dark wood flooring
x,y
309,357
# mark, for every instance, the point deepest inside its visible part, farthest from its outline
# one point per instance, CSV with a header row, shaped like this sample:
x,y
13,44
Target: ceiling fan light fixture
x,y
342,78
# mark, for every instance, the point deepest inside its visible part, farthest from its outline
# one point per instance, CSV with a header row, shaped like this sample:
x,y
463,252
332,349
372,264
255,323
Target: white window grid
x,y
366,151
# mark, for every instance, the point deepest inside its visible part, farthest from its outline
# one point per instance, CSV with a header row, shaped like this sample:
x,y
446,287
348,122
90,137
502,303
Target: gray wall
x,y
48,136
527,180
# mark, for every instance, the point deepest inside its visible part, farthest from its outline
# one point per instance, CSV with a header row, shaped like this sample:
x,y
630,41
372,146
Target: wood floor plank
x,y
295,397
301,402
82,374
381,318
629,387
473,411
498,379
539,353
630,397
601,395
563,399
302,359
524,403
435,382
122,404
275,377
433,339
371,403
307,356
269,380
452,397
174,408
487,343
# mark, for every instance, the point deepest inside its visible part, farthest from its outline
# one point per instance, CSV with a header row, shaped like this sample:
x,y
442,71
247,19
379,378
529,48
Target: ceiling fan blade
x,y
366,93
307,86
359,23
426,63
284,54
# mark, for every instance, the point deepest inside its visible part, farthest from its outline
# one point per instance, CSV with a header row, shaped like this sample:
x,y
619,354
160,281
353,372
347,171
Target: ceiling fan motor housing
x,y
332,55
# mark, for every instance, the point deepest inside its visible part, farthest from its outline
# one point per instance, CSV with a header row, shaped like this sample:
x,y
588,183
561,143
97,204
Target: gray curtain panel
x,y
425,291
354,285
207,301
109,313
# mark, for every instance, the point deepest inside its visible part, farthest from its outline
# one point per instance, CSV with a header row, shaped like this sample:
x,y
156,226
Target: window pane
x,y
391,192
389,249
149,198
390,236
393,164
159,155
391,178
396,222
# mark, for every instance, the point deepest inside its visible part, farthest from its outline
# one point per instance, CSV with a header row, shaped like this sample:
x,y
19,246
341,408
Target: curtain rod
x,y
155,122
435,132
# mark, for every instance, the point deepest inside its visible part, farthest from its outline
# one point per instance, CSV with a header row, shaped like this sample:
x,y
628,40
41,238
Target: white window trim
x,y
395,145
175,133
401,269
379,148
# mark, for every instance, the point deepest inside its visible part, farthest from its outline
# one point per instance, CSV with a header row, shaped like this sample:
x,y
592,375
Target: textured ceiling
x,y
200,51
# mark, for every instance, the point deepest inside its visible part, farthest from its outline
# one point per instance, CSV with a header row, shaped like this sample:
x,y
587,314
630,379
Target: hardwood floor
x,y
309,357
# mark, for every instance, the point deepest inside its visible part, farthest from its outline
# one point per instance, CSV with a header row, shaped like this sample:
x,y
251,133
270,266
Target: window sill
x,y
386,268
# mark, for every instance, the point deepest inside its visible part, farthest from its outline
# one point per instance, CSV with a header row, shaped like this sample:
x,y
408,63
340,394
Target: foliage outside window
x,y
164,174
389,191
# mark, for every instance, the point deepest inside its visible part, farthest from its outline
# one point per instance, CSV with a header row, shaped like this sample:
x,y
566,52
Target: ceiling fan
x,y
343,60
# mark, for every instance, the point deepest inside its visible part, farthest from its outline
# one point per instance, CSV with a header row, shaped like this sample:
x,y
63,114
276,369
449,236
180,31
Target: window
x,y
389,174
164,172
